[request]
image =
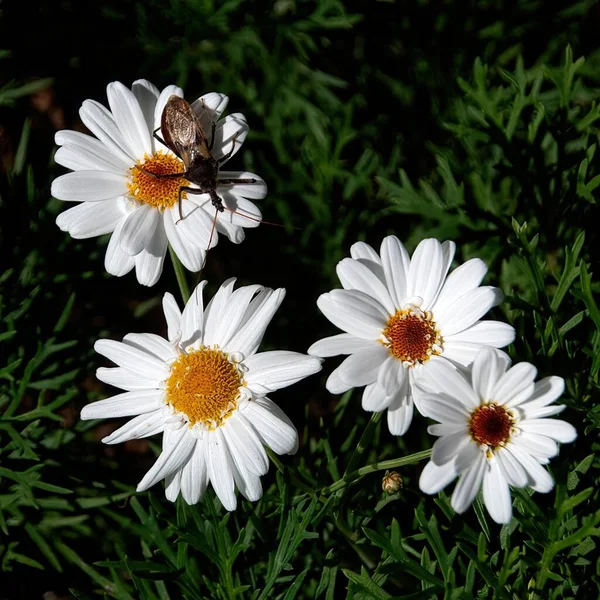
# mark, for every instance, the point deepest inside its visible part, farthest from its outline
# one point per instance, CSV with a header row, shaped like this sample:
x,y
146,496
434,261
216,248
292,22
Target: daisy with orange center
x,y
141,212
400,315
205,388
493,430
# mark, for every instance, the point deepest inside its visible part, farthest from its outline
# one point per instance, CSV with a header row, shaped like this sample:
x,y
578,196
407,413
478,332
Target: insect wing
x,y
182,131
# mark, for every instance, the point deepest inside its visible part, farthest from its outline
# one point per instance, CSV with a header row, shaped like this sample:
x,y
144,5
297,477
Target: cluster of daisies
x,y
413,332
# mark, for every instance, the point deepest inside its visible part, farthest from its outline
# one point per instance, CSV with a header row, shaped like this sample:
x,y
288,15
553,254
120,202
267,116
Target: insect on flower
x,y
185,137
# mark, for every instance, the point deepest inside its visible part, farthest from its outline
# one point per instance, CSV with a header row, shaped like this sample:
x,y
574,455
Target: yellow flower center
x,y
411,337
204,385
159,193
490,425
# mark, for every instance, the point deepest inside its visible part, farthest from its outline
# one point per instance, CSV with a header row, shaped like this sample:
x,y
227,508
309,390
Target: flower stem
x,y
372,468
364,441
180,274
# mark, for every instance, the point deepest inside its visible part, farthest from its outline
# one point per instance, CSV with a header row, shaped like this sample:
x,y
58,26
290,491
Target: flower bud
x,y
391,482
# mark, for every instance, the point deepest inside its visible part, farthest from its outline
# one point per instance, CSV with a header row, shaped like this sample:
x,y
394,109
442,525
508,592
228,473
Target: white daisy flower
x,y
493,431
402,315
205,389
140,211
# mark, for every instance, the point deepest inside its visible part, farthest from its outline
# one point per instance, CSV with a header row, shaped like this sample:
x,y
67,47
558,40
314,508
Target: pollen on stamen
x,y
411,337
204,386
159,193
491,425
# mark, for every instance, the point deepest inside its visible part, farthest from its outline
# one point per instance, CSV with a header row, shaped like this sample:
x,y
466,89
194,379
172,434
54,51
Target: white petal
x,y
270,371
126,380
173,486
214,310
558,430
545,392
396,264
354,312
441,429
400,412
234,313
89,186
82,159
356,276
426,273
468,456
133,359
192,319
244,445
460,353
447,448
463,279
252,191
275,410
153,344
248,483
90,219
124,405
362,251
375,398
194,475
515,386
539,479
468,485
149,262
488,368
146,95
467,310
139,228
443,408
536,445
343,343
220,469
279,435
129,118
235,234
335,385
512,469
116,262
439,376
172,315
232,128
435,478
209,108
197,225
489,333
102,124
177,449
142,426
248,337
361,368
191,256
496,494
238,211
91,151
391,375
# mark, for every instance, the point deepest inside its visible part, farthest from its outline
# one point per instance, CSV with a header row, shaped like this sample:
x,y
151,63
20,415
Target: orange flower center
x,y
204,385
411,336
491,425
159,193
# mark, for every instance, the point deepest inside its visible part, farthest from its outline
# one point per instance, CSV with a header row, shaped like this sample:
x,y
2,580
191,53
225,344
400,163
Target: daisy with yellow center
x,y
205,389
116,193
400,315
493,430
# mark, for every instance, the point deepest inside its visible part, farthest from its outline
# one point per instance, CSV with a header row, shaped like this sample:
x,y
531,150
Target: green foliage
x,y
471,123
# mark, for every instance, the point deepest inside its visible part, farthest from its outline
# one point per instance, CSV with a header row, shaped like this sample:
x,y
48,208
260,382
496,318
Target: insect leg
x,y
160,175
212,136
230,153
188,190
157,137
233,181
